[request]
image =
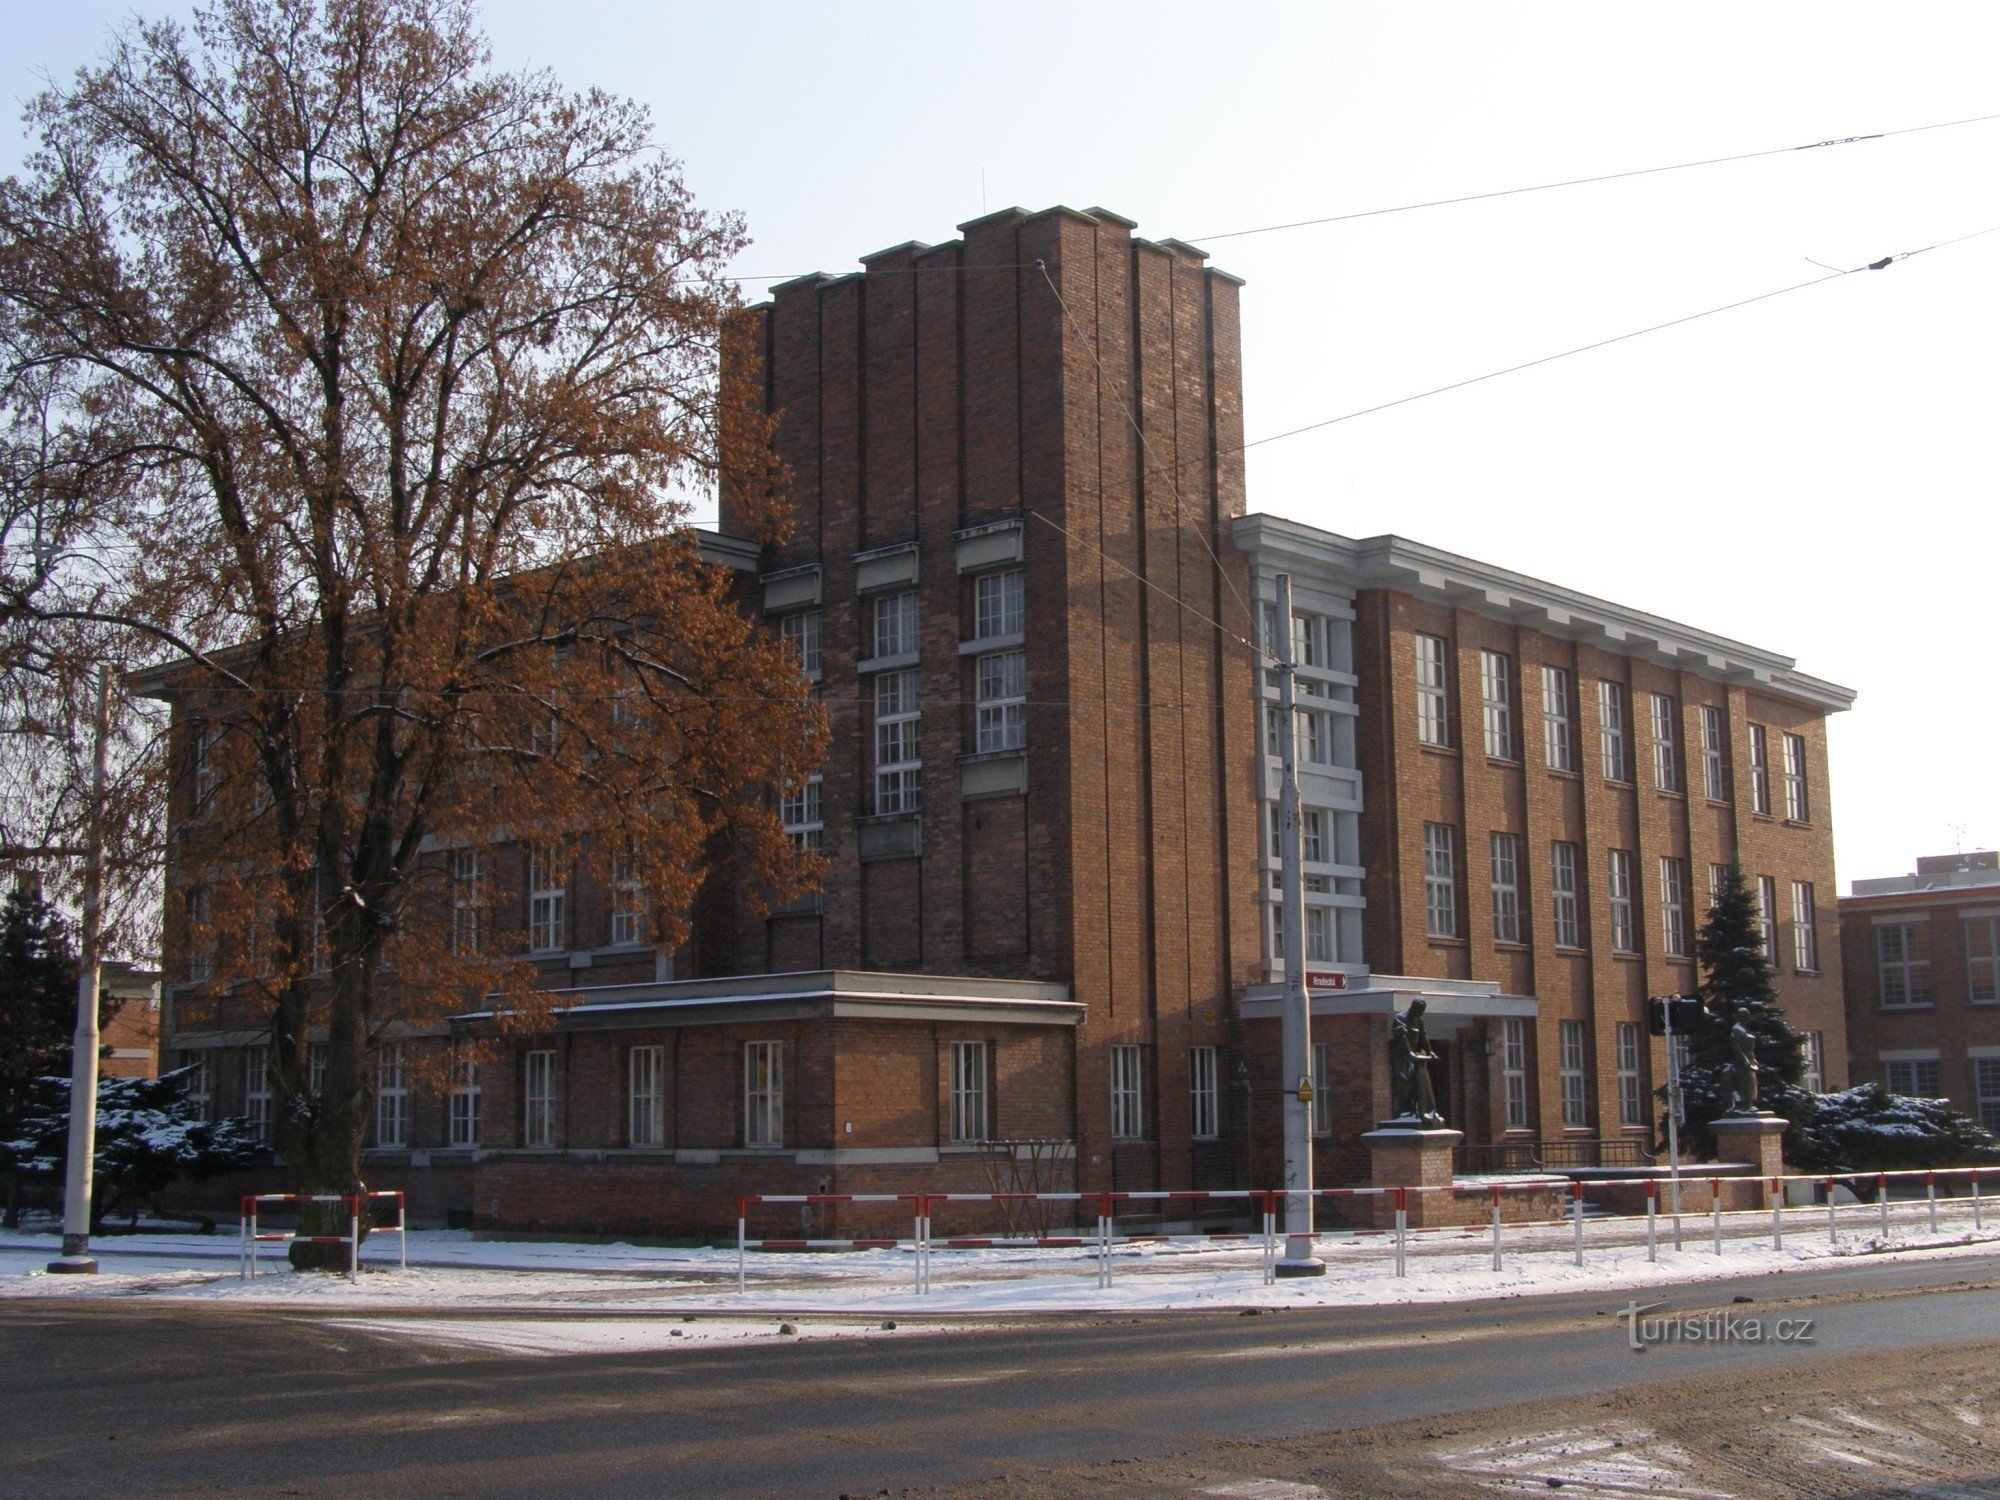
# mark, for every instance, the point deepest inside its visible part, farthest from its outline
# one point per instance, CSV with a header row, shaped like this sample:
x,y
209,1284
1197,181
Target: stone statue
x,y
1743,1067
1410,1057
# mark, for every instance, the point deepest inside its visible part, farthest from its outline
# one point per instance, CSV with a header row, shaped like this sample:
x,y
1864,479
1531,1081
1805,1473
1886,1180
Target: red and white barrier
x,y
250,1234
1264,1204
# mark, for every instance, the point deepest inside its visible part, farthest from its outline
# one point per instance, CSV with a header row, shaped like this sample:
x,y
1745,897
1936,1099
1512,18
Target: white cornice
x,y
1394,562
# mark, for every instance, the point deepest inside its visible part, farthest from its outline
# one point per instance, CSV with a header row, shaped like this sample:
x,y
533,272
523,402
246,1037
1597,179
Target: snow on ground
x,y
452,1270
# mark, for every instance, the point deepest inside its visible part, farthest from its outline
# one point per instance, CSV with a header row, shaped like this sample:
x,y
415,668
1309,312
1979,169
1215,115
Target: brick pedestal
x,y
1758,1139
1408,1156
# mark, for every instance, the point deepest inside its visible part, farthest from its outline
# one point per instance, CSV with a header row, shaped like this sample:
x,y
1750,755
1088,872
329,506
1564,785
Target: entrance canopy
x,y
1448,1003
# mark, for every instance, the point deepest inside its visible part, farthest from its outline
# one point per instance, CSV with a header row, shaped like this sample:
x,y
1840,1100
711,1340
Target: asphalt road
x,y
153,1399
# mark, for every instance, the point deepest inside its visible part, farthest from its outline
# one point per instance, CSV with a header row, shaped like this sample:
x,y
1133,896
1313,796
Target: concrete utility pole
x,y
76,1257
1298,1259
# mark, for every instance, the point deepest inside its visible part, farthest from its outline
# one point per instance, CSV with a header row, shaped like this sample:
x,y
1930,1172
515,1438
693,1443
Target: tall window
x,y
1982,959
1319,935
1562,893
200,1083
392,1097
1666,743
200,936
1433,721
1322,1076
896,624
1204,1102
1440,882
1128,1095
205,778
1001,688
548,898
968,1092
1760,770
1315,737
1556,741
997,605
801,633
1916,1077
628,900
1496,695
897,766
1718,876
1986,1087
1514,1070
763,1093
1767,915
1308,639
538,1099
646,1095
1905,977
1312,835
800,810
1713,783
1631,1075
1611,726
257,1091
1624,932
1815,1073
1575,1093
464,1097
1797,808
1805,928
1506,888
468,901
1673,905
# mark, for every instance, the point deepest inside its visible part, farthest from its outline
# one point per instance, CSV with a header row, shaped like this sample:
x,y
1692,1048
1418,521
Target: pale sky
x,y
1815,474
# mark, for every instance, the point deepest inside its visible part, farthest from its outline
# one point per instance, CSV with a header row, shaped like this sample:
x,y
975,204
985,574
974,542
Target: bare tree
x,y
390,374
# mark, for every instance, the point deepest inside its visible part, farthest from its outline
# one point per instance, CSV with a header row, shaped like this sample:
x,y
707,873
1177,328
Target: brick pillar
x,y
1758,1139
1413,1158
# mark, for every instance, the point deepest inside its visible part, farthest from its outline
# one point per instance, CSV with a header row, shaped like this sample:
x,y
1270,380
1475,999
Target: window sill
x,y
1673,792
1562,775
1450,752
1722,802
1798,822
1761,817
1626,955
1809,973
1014,641
1439,942
1504,762
1896,1010
1511,945
892,663
1623,783
1572,950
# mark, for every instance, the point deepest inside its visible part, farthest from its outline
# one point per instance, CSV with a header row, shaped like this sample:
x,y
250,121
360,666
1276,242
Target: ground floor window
x,y
647,1092
465,1098
392,1097
1322,1088
1631,1074
1514,1071
1128,1095
1916,1077
1575,1094
1204,1114
968,1092
763,1093
257,1092
538,1097
1986,1083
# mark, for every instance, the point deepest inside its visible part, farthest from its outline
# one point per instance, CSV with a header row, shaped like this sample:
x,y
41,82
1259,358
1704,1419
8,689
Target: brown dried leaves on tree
x,y
403,368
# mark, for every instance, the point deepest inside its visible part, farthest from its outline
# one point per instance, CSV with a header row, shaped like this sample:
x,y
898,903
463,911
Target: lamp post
x,y
76,1257
1298,1259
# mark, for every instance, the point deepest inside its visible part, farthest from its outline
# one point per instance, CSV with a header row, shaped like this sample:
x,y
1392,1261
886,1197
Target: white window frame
x,y
1904,978
1496,703
392,1098
970,1096
1760,770
1612,722
628,900
1558,744
257,1092
1666,743
1320,941
1322,1081
999,605
1204,1094
764,1094
469,874
1573,1075
1624,931
1805,928
201,1085
897,623
1986,1091
1312,835
1563,895
1128,1093
1440,881
1815,1070
538,1099
1433,677
1506,877
1673,906
1798,804
1982,969
1913,1077
802,812
1631,1074
463,1123
1514,1071
801,631
548,897
1714,779
646,1096
898,741
1717,876
1767,916
1000,697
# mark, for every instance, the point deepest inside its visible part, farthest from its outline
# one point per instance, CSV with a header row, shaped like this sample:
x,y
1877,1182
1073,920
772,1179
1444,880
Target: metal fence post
x,y
1652,1221
741,1243
1104,1218
1496,1229
1882,1192
1930,1187
1402,1229
1832,1232
354,1238
1777,1213
1715,1210
402,1231
1977,1221
1576,1213
1270,1238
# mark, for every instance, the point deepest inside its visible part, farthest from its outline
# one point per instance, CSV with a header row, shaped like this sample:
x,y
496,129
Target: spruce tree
x,y
1737,985
37,1013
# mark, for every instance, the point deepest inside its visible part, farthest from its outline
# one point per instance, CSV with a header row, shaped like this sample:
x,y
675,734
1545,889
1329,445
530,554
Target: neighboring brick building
x,y
1922,957
130,1041
1527,793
